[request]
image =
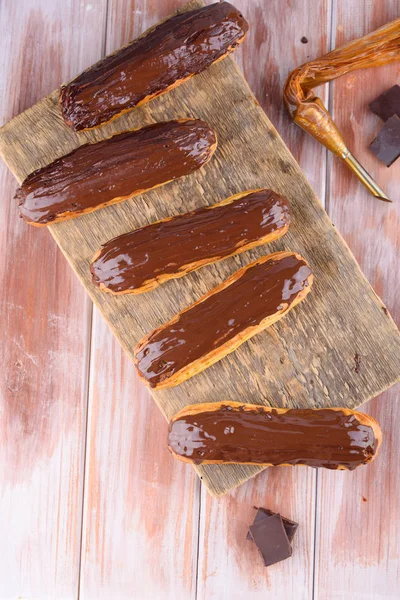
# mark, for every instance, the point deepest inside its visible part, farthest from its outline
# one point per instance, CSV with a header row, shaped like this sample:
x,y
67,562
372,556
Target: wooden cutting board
x,y
340,347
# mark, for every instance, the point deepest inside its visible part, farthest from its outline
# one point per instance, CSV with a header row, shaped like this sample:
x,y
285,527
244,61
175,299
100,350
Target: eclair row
x,y
130,163
100,174
119,168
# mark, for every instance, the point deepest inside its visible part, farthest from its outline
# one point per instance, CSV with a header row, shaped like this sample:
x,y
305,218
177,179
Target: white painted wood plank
x,y
44,327
358,551
141,507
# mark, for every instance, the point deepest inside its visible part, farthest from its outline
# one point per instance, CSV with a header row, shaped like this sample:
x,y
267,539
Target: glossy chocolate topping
x,y
261,290
205,235
95,175
180,47
317,438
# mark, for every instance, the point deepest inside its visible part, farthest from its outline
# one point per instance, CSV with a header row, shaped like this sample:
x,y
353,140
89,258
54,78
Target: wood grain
x,y
45,329
312,362
358,526
230,566
140,522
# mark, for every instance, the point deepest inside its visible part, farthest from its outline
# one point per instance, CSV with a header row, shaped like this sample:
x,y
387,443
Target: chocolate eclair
x,y
246,303
232,432
123,166
140,260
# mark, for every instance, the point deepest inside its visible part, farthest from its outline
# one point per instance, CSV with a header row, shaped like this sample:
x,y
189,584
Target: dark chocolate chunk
x,y
262,513
386,145
388,104
270,538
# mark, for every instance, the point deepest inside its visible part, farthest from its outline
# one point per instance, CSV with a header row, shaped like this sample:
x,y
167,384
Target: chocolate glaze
x,y
261,290
317,438
180,47
205,235
132,162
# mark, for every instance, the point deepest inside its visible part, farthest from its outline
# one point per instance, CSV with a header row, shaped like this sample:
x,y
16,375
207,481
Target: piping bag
x,y
380,47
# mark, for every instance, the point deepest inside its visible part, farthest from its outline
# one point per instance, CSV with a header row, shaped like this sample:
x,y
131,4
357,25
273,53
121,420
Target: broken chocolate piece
x,y
387,104
386,145
262,513
270,538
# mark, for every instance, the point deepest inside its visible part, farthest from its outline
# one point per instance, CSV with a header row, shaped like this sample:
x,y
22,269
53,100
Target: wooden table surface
x,y
92,505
